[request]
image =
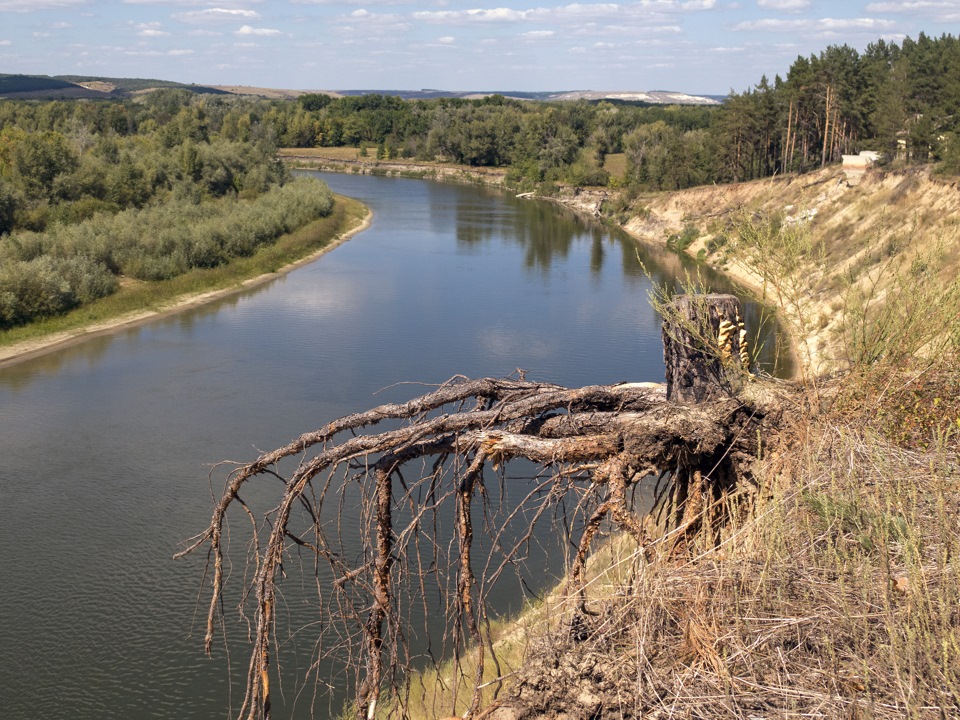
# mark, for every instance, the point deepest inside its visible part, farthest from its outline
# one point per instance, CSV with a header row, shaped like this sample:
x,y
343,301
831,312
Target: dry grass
x,y
411,167
888,221
839,595
616,164
323,153
838,598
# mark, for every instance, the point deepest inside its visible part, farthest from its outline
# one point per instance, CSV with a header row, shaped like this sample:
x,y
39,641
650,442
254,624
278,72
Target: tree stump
x,y
704,347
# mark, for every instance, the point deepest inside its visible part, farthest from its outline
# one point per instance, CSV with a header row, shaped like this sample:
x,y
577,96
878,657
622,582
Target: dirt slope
x,y
858,237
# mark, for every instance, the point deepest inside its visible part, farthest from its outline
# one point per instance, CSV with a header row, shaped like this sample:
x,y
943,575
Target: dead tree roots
x,y
388,510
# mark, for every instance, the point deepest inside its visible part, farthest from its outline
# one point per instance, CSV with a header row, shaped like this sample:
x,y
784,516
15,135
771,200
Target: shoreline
x,y
29,349
587,202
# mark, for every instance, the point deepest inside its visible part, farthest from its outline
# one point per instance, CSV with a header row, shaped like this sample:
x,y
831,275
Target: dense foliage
x,y
92,191
901,100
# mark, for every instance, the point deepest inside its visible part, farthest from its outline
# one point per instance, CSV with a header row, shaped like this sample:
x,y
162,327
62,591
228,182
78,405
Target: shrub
x,y
678,242
49,273
48,286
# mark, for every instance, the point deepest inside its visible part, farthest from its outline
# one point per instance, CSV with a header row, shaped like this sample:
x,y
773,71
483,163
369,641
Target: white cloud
x,y
180,52
205,33
785,5
538,34
446,40
247,30
475,15
913,6
61,25
192,3
367,20
5,43
812,25
151,29
25,6
353,2
646,12
216,15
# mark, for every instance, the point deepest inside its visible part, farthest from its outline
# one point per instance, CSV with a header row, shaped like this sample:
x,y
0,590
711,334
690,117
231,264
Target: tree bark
x,y
704,347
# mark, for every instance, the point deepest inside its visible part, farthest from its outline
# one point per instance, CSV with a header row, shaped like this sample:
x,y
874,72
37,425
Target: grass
x,y
325,153
350,154
134,297
616,164
446,690
838,598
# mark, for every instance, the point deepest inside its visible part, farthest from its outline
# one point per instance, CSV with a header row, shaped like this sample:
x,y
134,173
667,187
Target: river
x,y
105,446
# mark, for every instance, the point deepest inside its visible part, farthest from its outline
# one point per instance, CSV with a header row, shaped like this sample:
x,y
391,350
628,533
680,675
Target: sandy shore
x,y
19,352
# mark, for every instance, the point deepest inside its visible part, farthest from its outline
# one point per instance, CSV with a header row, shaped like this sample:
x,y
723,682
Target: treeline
x,y
44,274
901,100
539,142
64,161
94,191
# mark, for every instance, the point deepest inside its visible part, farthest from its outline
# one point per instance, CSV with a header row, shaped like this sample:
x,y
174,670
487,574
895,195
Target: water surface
x,y
105,447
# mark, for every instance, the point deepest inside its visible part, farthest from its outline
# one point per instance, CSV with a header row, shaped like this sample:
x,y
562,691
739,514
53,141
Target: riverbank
x,y
840,256
137,303
348,160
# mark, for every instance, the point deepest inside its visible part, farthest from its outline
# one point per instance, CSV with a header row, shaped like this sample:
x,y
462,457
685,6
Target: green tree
x,y
38,158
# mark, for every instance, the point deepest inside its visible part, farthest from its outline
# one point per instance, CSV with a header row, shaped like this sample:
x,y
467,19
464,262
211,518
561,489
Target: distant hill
x,y
82,86
10,84
86,86
650,97
132,86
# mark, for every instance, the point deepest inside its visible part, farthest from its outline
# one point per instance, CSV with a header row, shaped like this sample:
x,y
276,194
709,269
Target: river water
x,y
105,447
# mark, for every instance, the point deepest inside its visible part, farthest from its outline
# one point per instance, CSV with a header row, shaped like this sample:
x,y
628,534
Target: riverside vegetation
x,y
86,208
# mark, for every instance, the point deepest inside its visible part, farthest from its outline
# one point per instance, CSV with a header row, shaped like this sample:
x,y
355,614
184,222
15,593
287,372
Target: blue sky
x,y
695,46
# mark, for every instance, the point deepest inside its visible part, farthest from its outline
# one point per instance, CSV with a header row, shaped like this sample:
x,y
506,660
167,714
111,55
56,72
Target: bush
x,y
49,273
680,242
49,286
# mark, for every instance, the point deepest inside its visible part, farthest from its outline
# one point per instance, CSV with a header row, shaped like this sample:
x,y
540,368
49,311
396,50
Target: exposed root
x,y
591,445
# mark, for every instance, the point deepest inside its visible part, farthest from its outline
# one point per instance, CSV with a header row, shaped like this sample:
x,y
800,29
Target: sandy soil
x,y
863,234
19,352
